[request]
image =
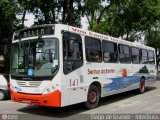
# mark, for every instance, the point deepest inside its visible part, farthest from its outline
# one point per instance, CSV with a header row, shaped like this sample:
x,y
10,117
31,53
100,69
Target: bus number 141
x,y
73,83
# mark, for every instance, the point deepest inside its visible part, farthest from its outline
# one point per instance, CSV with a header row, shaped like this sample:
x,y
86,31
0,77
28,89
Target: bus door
x,y
72,65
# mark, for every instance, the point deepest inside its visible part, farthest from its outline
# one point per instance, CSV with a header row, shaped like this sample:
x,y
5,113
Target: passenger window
x,y
135,55
151,57
109,52
124,54
144,56
72,52
93,49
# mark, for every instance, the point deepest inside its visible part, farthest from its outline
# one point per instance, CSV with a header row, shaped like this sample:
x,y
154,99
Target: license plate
x,y
26,101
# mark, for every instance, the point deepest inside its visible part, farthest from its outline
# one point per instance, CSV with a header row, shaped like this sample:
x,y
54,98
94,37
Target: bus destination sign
x,y
36,31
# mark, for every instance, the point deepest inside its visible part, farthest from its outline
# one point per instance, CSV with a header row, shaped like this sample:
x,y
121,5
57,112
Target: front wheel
x,y
142,86
92,97
2,95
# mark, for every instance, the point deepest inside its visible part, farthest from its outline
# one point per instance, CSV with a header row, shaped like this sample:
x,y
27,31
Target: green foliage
x,y
94,10
7,19
153,39
128,19
131,20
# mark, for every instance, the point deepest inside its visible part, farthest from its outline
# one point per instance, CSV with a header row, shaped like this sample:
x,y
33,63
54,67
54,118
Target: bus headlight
x,y
49,89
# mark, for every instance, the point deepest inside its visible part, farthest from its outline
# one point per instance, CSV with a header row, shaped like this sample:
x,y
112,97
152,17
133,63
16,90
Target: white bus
x,y
60,65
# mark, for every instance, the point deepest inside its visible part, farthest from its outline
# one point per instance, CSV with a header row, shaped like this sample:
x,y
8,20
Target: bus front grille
x,y
29,83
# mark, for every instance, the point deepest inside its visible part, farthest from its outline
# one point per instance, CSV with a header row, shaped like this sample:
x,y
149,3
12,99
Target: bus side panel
x,y
113,77
117,78
152,75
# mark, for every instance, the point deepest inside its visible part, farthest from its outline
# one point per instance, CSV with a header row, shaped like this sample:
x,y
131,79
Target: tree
x,y
53,11
130,19
71,12
7,19
94,10
152,37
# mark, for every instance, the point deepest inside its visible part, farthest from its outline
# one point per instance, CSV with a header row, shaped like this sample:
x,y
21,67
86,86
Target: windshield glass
x,y
37,57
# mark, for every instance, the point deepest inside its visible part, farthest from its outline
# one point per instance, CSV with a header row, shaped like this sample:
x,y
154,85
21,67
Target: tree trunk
x,y
64,12
70,12
23,17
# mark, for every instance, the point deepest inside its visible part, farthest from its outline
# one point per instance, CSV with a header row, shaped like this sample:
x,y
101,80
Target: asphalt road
x,y
124,103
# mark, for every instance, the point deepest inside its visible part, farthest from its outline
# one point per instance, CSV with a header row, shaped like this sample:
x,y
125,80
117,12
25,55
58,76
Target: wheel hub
x,y
142,86
92,97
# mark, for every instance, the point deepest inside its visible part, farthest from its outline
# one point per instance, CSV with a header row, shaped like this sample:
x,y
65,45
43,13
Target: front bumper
x,y
52,99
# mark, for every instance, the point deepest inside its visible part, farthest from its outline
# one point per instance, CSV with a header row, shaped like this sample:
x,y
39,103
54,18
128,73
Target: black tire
x,y
2,95
93,97
142,86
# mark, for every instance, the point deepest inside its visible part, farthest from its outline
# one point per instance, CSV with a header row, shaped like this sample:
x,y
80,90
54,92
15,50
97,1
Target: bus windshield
x,y
37,57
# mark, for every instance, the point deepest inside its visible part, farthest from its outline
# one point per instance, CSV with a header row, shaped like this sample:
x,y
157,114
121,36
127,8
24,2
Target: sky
x,y
29,20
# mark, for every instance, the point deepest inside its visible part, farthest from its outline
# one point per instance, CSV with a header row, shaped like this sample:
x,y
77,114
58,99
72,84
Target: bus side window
x,y
135,55
109,51
93,49
144,56
72,52
124,54
151,57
